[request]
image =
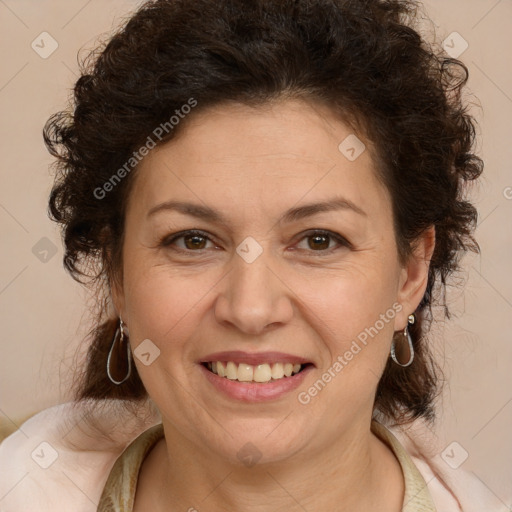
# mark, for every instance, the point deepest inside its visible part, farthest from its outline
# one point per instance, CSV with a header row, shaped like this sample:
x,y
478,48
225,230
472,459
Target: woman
x,y
269,197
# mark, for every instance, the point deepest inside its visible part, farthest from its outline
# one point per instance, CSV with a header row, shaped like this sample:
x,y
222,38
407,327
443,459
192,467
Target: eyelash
x,y
167,241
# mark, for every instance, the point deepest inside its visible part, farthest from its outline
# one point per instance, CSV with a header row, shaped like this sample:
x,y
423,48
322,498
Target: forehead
x,y
241,157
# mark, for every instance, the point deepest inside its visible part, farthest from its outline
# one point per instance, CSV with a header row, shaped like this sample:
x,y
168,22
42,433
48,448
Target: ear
x,y
117,294
115,283
414,277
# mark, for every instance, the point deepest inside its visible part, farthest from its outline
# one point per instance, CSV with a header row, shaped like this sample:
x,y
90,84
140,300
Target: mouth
x,y
262,373
255,376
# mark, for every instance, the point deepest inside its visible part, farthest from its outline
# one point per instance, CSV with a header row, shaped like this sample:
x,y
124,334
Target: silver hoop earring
x,y
407,336
117,353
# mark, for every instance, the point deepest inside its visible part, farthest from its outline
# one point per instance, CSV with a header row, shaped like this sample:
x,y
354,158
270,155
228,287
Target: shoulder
x,y
452,488
60,459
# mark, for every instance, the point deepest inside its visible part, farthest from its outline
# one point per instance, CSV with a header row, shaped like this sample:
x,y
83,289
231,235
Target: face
x,y
262,280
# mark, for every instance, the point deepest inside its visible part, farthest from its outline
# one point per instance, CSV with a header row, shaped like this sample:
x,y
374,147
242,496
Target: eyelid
x,y
335,236
167,241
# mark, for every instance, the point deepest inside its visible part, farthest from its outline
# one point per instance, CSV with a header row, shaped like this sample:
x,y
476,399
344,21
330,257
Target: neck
x,y
357,474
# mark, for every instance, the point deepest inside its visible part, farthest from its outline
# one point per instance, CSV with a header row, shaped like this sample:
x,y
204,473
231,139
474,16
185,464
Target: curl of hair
x,y
362,58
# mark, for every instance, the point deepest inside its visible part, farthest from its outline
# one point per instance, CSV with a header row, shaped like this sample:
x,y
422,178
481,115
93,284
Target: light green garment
x,y
119,491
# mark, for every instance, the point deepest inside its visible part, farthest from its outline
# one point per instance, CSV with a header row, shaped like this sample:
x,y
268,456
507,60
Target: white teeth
x,y
248,373
262,373
231,371
245,372
277,371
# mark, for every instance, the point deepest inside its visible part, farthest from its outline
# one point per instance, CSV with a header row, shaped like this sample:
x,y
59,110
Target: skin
x,y
252,165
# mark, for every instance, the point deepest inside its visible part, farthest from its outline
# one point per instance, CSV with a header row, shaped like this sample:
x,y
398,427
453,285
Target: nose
x,y
253,297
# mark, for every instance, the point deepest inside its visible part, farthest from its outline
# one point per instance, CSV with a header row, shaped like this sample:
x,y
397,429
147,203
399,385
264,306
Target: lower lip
x,y
256,392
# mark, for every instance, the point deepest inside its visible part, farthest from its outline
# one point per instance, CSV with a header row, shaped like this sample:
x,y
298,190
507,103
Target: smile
x,y
244,372
255,377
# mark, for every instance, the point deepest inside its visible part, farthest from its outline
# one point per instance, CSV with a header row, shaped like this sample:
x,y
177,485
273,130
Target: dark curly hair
x,y
364,59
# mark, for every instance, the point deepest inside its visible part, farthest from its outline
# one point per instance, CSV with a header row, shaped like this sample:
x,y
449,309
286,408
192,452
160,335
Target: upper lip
x,y
254,358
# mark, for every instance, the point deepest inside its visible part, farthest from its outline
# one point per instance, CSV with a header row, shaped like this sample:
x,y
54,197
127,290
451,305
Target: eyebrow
x,y
291,215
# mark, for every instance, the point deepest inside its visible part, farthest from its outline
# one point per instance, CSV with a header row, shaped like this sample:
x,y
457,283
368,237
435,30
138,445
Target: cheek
x,y
352,300
354,319
162,307
160,301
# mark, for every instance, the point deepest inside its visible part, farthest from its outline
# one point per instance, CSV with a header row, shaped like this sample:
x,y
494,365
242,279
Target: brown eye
x,y
320,242
193,241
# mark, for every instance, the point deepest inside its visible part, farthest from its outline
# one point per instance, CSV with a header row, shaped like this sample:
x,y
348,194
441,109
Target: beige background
x,y
43,311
